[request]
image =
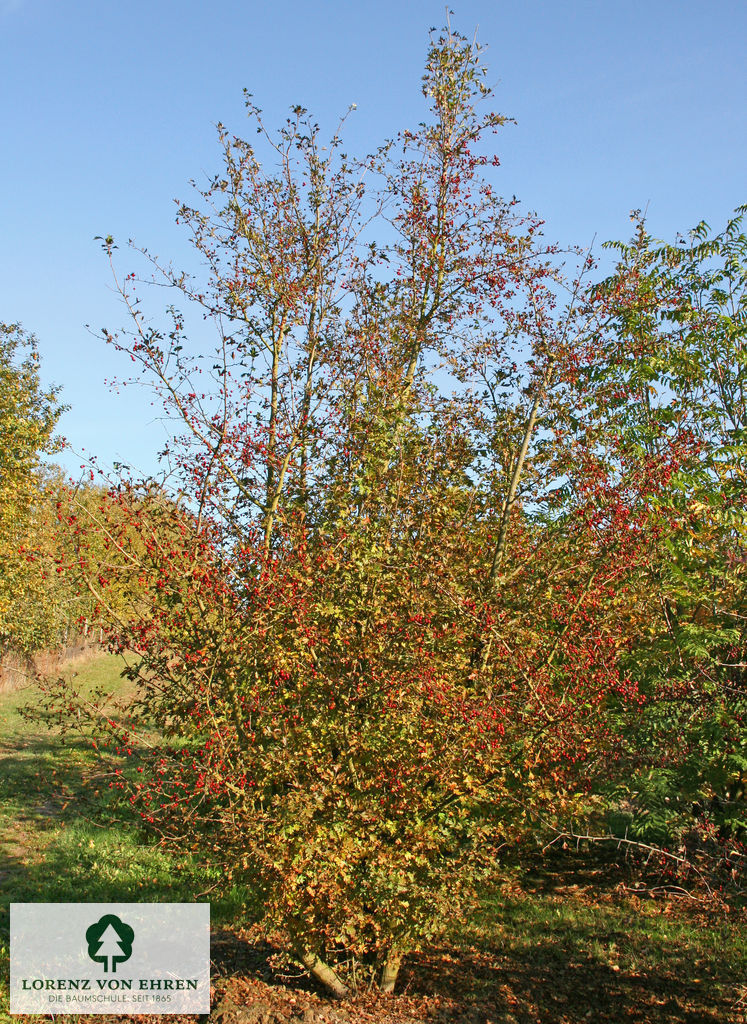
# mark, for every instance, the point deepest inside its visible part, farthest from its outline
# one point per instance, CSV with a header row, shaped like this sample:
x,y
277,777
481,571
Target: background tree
x,y
28,414
680,352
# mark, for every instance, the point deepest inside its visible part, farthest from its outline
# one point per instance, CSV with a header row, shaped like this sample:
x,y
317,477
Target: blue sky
x,y
108,109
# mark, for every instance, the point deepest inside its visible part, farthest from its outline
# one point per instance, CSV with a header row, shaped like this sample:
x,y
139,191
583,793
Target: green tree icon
x,y
110,942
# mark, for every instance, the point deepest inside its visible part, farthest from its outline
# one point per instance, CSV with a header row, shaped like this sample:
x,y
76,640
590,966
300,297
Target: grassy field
x,y
60,839
560,940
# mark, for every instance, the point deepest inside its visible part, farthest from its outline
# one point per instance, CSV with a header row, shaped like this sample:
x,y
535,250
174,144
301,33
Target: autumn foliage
x,y
390,595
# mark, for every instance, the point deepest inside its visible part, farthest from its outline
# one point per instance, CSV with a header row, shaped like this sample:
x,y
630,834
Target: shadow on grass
x,y
552,984
575,972
48,778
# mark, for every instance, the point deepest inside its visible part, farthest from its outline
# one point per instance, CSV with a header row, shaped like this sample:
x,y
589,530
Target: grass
x,y
60,840
570,943
559,941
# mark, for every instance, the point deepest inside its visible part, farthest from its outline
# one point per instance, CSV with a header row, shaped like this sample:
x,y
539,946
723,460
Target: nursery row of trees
x,y
452,542
42,606
31,599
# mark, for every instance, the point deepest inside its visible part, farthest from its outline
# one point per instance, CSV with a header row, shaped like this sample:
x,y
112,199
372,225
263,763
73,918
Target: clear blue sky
x,y
107,110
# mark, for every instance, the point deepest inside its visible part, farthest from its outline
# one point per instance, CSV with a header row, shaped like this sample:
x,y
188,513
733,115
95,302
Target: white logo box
x,y
110,958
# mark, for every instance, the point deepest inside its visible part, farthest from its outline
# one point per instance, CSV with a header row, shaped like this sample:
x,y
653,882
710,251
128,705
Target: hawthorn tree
x,y
379,620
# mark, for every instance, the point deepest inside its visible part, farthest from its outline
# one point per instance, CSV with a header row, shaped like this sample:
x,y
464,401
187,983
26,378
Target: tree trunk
x,y
390,971
323,973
